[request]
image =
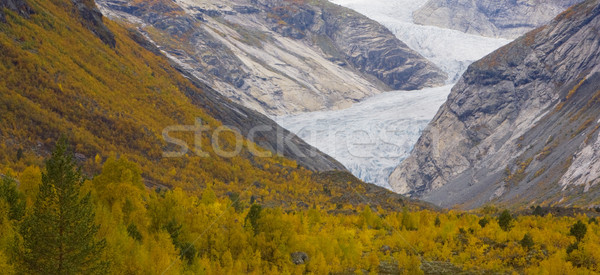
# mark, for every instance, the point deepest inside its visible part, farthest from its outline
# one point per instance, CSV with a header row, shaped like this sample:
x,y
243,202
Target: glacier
x,y
373,136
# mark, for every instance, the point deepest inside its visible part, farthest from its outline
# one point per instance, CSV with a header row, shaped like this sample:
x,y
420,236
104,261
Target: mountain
x,y
280,57
504,18
202,96
521,125
66,70
453,51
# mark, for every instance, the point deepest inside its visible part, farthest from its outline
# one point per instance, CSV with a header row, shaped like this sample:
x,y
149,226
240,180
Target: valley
x,y
401,115
155,137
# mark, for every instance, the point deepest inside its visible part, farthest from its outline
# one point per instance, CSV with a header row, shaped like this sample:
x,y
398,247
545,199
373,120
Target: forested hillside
x,y
120,227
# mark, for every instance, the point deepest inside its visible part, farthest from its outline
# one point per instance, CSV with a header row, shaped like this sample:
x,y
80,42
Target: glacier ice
x,y
372,137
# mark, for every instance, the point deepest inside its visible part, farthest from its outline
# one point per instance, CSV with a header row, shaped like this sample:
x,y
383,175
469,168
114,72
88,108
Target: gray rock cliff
x,y
19,6
520,127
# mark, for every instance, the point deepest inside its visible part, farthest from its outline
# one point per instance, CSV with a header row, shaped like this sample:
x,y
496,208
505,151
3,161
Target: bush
x,y
538,211
572,247
527,241
483,222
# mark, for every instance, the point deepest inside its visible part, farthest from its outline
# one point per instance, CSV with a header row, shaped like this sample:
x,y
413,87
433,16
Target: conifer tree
x,y
14,199
527,241
505,220
578,231
253,216
59,236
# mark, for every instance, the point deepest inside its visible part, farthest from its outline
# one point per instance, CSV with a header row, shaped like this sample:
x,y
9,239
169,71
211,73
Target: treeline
x,y
53,220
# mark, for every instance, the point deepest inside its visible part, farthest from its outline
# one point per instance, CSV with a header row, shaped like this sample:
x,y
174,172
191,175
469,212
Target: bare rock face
x,y
91,18
521,126
19,6
493,18
373,49
280,57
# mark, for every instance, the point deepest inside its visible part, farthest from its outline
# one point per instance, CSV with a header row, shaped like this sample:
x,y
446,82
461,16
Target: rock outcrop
x,y
373,49
280,57
493,18
299,257
91,18
521,126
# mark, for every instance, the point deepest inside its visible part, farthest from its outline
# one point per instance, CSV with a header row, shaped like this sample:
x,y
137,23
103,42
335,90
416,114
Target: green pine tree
x,y
527,242
578,230
253,216
14,198
60,235
437,221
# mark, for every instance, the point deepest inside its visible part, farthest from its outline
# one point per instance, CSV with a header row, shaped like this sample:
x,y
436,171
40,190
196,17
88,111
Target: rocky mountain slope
x,y
69,81
505,18
18,6
280,57
251,124
521,126
60,76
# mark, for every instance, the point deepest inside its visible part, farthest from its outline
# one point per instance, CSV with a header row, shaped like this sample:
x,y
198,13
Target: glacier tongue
x,y
372,137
